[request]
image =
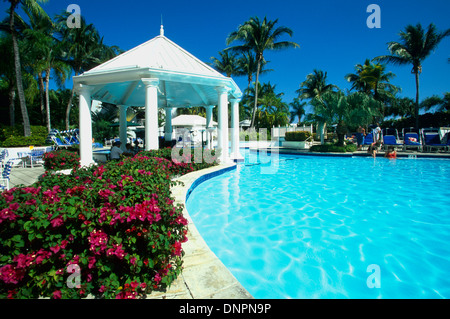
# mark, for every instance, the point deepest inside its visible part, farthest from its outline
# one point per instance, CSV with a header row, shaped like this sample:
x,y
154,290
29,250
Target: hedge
x,y
325,148
13,136
299,136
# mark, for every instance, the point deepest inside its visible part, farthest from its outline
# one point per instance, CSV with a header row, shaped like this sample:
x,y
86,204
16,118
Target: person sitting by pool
x,y
360,133
116,151
391,153
130,151
372,150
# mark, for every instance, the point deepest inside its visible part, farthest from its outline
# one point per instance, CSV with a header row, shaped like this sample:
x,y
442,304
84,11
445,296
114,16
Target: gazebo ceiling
x,y
184,80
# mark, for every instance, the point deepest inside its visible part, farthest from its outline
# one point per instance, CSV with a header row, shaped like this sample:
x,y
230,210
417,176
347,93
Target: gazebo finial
x,y
161,31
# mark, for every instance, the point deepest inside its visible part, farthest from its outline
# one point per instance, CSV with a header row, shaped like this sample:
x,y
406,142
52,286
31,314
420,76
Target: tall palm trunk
x,y
47,99
69,105
255,107
12,108
416,106
18,69
42,96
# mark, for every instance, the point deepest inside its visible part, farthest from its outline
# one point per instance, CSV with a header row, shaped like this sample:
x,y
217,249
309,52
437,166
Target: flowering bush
x,y
111,231
61,160
187,162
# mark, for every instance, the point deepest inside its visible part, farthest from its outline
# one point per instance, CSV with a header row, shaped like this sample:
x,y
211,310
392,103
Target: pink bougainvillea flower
x,y
105,193
98,240
92,261
55,249
7,214
11,275
117,251
57,294
157,279
176,249
30,202
56,222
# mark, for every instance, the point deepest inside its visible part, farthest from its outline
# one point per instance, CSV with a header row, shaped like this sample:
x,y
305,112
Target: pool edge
x,y
215,281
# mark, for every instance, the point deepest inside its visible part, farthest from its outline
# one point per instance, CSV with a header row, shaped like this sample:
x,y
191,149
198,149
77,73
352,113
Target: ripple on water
x,y
311,230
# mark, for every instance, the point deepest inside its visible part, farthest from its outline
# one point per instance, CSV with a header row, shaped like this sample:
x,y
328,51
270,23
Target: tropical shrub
x,y
187,163
254,135
13,136
61,160
110,231
325,148
299,136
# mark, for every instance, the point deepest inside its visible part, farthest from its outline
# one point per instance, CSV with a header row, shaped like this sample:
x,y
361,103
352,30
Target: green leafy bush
x,y
13,136
325,148
187,164
299,136
114,228
61,160
253,135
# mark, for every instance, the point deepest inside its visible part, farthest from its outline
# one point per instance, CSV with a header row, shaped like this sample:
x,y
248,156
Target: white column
x,y
223,124
86,158
123,126
151,113
235,154
209,119
168,126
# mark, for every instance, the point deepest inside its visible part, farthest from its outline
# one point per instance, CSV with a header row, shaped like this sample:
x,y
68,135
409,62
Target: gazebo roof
x,y
184,80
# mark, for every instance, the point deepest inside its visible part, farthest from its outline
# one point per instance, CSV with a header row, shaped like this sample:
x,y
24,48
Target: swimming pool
x,y
325,227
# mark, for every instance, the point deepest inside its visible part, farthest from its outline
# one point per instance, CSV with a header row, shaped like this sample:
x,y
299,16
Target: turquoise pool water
x,y
317,227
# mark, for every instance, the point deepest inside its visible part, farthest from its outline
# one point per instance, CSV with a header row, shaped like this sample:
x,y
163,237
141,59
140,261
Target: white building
x,y
158,74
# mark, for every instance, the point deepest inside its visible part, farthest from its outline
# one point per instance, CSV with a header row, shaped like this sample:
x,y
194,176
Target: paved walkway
x,y
25,176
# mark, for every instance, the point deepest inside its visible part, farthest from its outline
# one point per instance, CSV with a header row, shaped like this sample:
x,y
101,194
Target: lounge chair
x,y
432,140
4,180
390,140
37,157
411,140
368,140
59,144
446,140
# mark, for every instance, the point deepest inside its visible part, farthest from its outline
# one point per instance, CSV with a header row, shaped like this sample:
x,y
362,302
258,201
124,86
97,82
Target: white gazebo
x,y
158,74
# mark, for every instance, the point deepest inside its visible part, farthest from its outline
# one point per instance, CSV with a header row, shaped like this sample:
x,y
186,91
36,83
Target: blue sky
x,y
333,35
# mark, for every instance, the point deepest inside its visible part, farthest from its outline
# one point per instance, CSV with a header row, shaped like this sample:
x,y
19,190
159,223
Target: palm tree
x,y
259,36
273,111
227,64
403,107
7,74
249,66
34,6
83,49
45,52
371,78
432,101
314,87
298,109
415,45
351,110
